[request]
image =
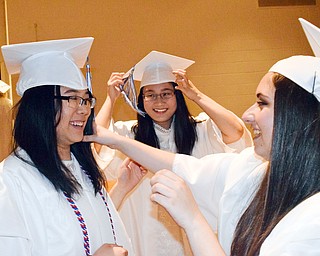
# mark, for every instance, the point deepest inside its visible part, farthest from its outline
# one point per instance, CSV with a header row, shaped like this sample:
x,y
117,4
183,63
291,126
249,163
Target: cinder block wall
x,y
233,42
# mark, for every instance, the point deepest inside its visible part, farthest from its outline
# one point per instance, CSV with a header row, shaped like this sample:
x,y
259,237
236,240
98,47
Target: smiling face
x,y
72,122
160,110
260,116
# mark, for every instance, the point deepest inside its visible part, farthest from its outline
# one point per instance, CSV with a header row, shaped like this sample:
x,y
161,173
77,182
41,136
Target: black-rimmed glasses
x,y
76,101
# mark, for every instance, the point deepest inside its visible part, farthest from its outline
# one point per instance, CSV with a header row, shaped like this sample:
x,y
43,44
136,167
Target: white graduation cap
x,y
157,67
4,87
313,35
53,62
303,70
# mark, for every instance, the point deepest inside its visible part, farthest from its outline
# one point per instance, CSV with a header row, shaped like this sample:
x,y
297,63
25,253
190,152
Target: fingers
x,y
112,250
113,86
116,77
185,85
170,191
179,72
181,75
126,162
133,166
144,170
165,175
182,80
101,135
160,199
118,250
94,127
137,168
167,189
87,138
165,182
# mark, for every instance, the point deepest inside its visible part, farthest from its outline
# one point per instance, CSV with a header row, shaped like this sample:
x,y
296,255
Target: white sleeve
x,y
210,138
298,232
14,239
206,178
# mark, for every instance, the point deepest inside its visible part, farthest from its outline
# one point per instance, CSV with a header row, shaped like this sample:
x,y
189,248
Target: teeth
x,y
79,123
160,110
256,132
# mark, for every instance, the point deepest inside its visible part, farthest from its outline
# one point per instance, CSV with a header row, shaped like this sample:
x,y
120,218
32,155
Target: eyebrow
x,y
163,89
260,95
73,90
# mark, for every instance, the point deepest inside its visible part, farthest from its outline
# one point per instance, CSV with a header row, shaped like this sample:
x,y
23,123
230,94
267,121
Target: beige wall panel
x,y
232,42
2,24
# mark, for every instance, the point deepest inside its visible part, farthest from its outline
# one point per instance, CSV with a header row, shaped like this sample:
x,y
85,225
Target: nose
x,y
83,109
159,98
248,115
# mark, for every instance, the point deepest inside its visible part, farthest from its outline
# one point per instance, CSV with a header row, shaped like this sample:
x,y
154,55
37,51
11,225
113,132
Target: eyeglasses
x,y
154,96
76,101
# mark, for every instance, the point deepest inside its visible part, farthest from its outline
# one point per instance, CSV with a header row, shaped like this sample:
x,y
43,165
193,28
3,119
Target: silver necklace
x,y
161,129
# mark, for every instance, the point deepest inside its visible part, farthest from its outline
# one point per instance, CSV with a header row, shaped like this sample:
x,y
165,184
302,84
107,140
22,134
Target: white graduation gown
x,y
223,186
151,228
36,220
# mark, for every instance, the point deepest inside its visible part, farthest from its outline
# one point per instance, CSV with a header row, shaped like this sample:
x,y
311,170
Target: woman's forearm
x,y
117,196
227,122
202,239
149,157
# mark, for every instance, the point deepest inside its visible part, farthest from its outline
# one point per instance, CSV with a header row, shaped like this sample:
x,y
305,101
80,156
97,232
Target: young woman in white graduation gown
x,y
167,125
267,198
52,196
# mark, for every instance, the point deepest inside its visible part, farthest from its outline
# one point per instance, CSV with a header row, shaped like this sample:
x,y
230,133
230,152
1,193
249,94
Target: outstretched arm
x,y
170,191
104,116
227,122
151,158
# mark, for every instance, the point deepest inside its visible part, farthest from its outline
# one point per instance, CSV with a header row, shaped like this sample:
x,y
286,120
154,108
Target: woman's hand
x,y
114,83
111,250
185,85
101,135
104,115
130,174
231,127
170,191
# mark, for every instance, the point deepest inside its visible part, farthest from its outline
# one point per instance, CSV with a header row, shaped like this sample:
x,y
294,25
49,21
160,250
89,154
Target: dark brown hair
x,y
293,173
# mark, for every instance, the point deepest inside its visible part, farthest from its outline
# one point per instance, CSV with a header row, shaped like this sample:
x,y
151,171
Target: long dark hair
x,y
293,174
185,134
37,115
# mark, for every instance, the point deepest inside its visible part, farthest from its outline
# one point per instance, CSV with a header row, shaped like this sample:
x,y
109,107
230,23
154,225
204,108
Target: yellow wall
x,y
233,42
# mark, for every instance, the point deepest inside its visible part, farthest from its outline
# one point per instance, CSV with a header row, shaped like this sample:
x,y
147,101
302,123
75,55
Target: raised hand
x,y
114,82
185,85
